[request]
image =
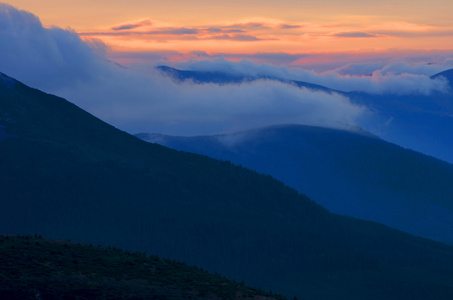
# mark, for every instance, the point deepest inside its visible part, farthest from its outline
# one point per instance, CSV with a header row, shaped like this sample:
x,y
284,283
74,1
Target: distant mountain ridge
x,y
448,74
223,78
7,81
417,121
67,175
366,177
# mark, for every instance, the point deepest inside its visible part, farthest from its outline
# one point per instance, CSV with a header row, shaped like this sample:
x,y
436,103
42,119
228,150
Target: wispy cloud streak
x,y
132,25
354,35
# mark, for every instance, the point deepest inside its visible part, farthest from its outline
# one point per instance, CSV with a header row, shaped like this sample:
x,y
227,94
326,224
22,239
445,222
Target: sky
x,y
290,32
101,55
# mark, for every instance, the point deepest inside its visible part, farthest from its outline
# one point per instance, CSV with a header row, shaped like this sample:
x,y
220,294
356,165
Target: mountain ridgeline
x,y
223,78
67,175
421,121
366,177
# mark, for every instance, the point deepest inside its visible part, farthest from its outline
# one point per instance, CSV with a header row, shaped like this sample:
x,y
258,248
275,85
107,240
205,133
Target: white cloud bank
x,y
58,61
376,78
42,57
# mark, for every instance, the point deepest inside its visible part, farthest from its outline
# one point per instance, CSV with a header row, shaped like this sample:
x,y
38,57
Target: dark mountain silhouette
x,y
448,74
37,268
351,173
223,78
67,175
422,122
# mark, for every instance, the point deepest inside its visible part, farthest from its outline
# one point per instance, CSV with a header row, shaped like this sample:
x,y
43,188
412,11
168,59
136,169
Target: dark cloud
x,y
287,26
159,31
223,30
104,33
238,37
355,34
132,25
249,25
175,31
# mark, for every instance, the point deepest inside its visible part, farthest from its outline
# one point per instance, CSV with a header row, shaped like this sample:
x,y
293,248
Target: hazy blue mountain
x,y
448,74
67,175
420,122
223,78
351,173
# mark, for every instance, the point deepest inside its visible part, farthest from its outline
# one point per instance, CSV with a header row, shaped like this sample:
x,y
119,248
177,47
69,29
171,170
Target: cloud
x,y
274,58
174,31
430,32
160,31
238,37
59,62
172,57
153,58
329,62
200,53
223,30
355,35
288,26
158,105
249,25
44,57
400,68
359,69
236,32
132,25
397,78
397,68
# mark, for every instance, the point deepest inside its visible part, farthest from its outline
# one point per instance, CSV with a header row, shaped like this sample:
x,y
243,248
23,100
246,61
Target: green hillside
x,y
67,175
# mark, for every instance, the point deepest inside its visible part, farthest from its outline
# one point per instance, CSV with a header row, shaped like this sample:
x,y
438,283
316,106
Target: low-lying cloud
x,y
375,78
140,103
58,61
44,57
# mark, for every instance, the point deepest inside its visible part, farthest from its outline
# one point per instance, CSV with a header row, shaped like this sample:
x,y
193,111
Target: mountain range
x,y
351,173
418,121
67,175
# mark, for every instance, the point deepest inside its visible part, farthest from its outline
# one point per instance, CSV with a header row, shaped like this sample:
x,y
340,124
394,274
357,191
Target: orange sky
x,y
286,26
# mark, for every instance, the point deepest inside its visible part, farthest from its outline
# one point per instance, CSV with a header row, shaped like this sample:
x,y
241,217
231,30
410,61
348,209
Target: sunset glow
x,y
180,30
